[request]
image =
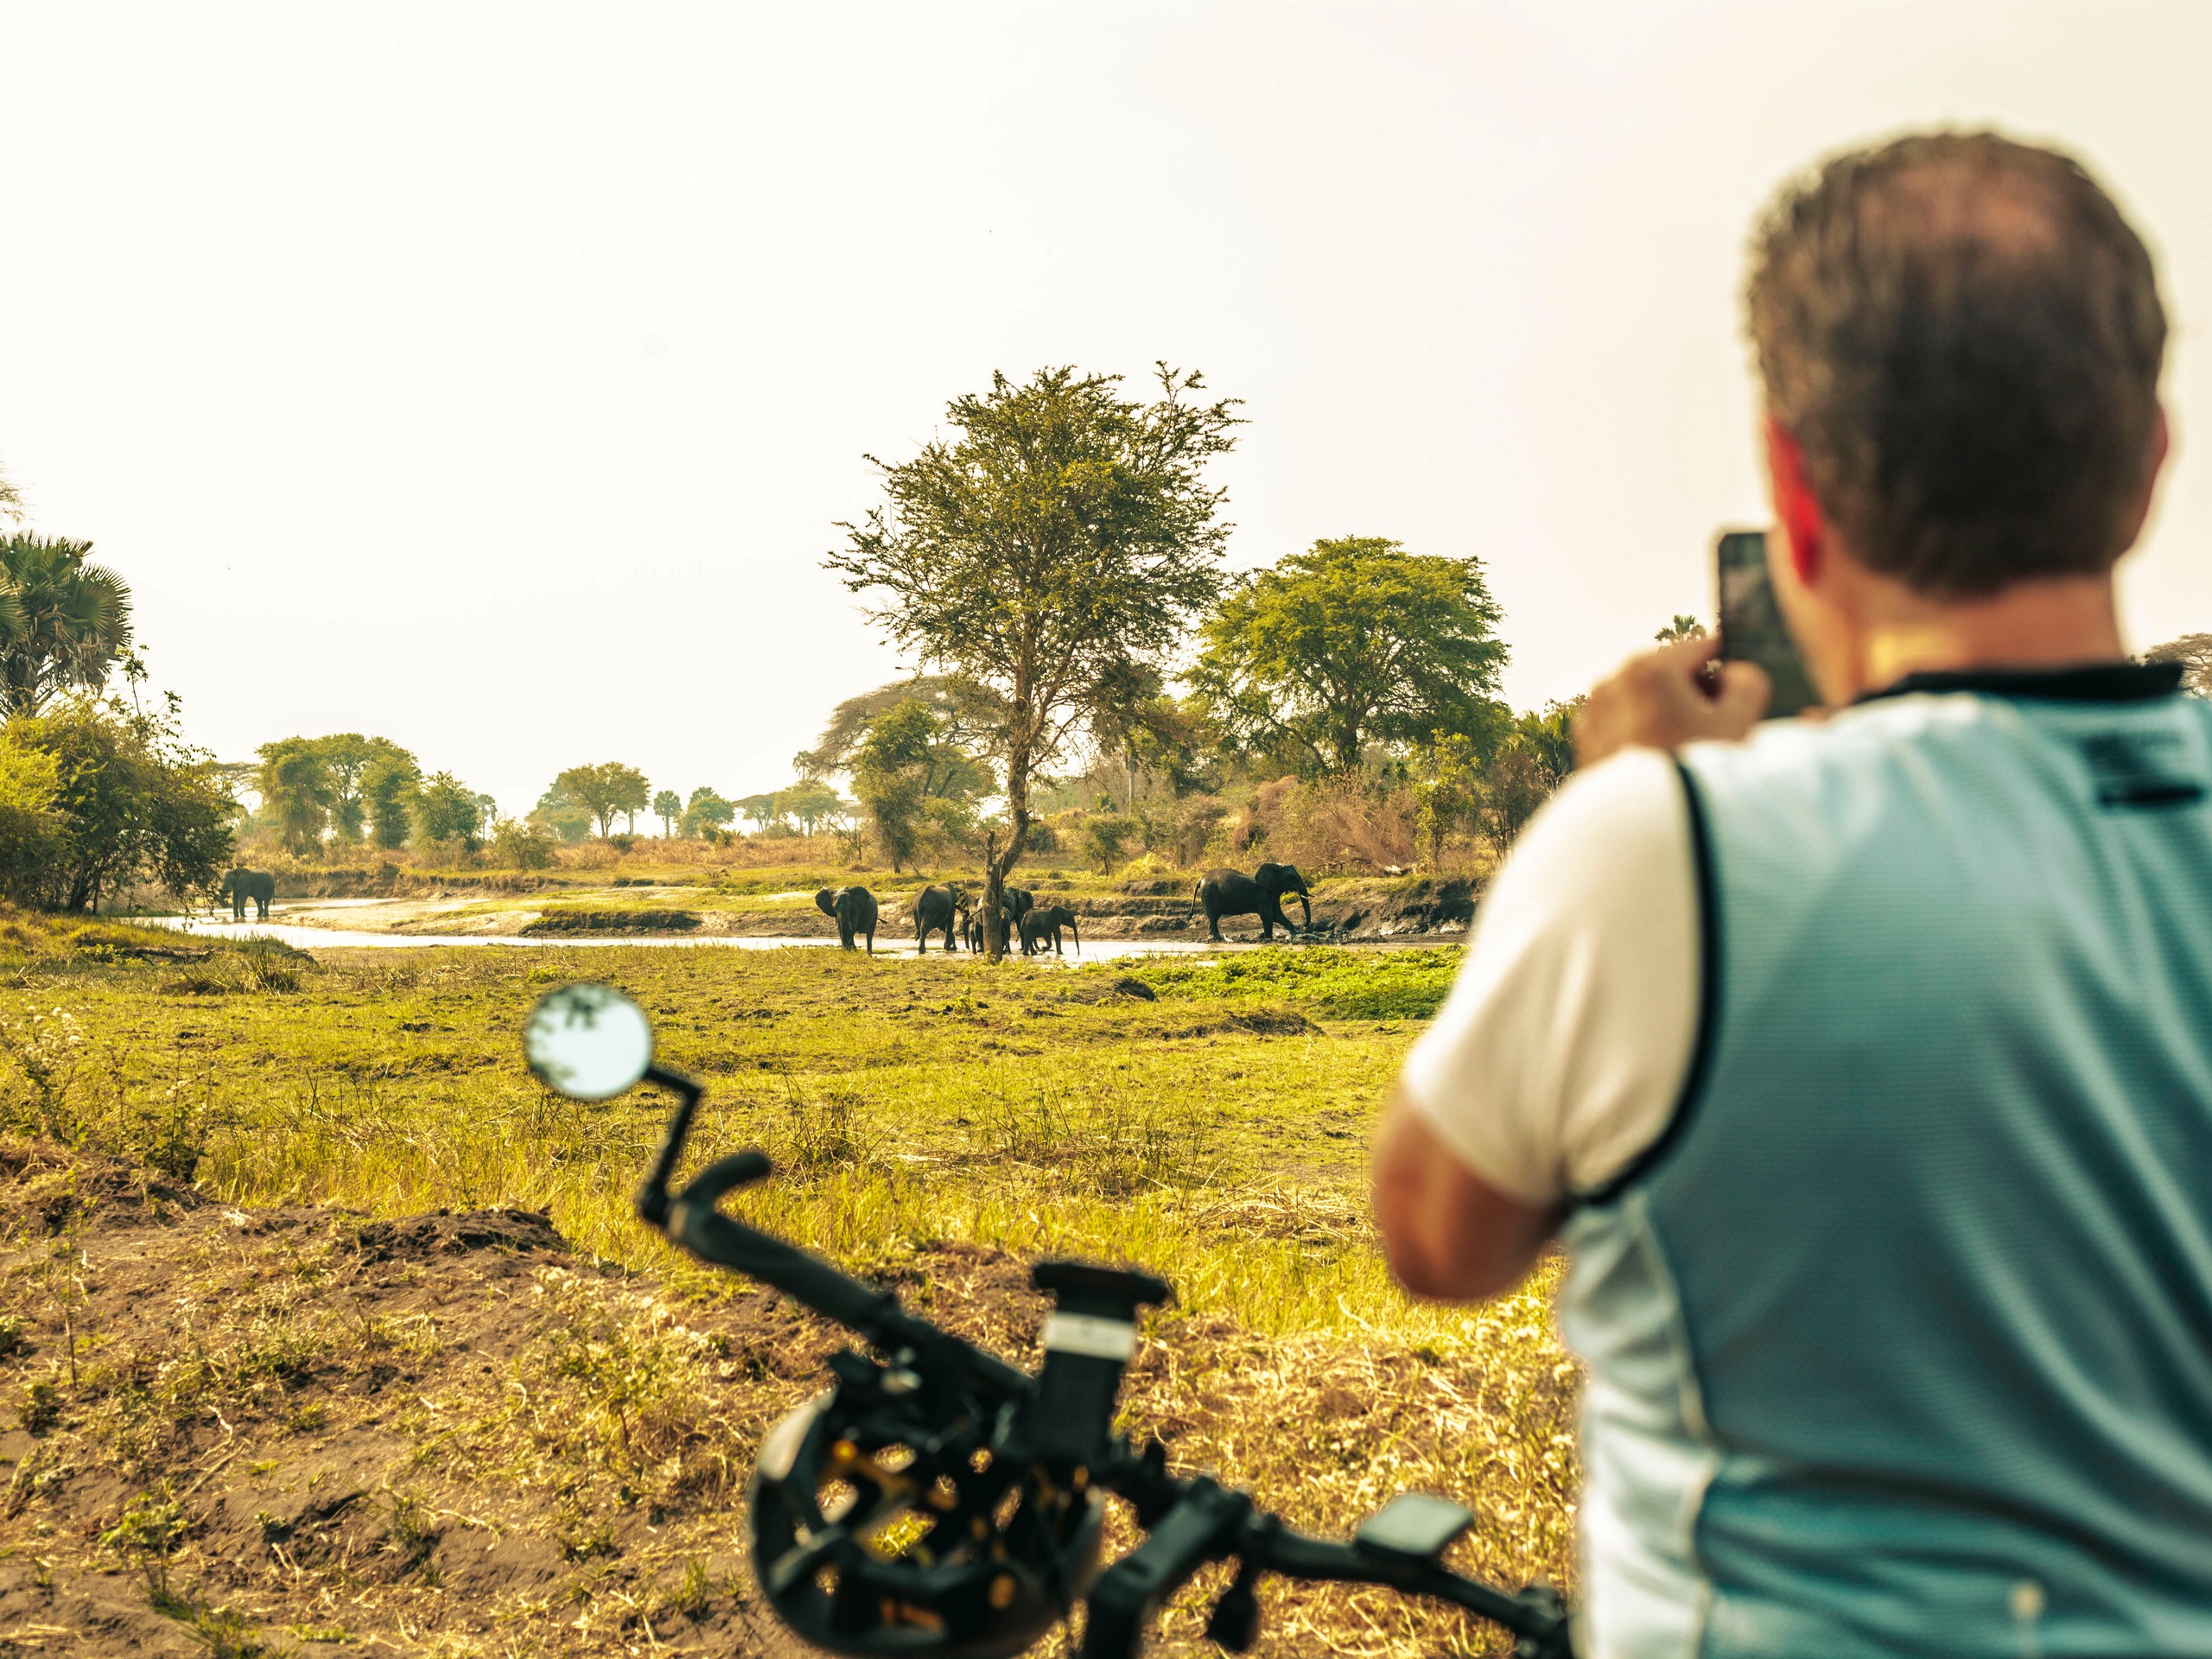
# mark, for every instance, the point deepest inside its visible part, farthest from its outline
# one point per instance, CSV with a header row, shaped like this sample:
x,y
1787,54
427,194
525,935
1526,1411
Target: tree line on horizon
x,y
1053,570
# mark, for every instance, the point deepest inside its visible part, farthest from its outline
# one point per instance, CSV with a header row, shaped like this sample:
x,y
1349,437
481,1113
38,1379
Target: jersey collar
x,y
2093,683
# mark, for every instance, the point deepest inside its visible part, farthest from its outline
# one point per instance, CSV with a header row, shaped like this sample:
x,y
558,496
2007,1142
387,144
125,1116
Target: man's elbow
x,y
1439,1276
1448,1236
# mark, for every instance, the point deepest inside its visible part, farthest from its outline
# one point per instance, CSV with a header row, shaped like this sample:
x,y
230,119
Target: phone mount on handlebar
x,y
936,1500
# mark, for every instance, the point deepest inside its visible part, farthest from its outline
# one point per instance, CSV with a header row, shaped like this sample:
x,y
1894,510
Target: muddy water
x,y
313,937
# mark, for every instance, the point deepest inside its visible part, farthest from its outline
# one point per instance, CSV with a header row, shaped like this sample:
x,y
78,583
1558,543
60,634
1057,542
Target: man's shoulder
x,y
1617,822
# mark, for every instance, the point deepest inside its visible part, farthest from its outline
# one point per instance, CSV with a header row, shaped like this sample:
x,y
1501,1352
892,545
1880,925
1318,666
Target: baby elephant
x,y
854,911
1045,922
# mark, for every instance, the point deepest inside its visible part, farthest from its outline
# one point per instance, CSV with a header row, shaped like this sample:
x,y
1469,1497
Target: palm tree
x,y
63,622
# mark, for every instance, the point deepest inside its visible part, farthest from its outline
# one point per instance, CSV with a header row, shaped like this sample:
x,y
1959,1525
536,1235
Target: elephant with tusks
x,y
1232,893
242,884
854,911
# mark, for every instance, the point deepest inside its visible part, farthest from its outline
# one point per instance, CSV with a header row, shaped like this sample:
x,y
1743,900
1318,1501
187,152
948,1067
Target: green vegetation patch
x,y
1337,983
578,920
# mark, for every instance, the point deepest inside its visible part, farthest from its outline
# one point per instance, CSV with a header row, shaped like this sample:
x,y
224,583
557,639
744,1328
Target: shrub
x,y
133,804
1105,835
518,846
30,825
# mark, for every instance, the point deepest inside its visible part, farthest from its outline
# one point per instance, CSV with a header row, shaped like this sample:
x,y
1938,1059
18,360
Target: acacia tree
x,y
63,622
2194,652
1351,642
1063,537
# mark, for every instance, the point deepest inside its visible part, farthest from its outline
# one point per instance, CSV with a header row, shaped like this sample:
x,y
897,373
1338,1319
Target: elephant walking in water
x,y
242,884
854,911
1232,893
1020,901
938,909
1041,925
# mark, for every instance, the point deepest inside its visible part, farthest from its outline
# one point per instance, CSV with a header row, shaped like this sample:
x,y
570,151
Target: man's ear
x,y
1795,507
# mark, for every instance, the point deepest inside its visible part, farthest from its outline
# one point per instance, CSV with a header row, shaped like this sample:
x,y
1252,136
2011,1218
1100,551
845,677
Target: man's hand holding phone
x,y
1663,699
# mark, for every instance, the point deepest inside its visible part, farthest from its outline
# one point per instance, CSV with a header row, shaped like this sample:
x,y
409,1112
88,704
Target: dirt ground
x,y
266,1433
299,1431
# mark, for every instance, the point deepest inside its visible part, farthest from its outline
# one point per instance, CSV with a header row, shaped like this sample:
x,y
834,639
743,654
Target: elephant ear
x,y
826,902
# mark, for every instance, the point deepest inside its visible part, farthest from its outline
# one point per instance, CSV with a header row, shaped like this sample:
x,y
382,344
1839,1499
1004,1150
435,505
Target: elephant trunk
x,y
1307,906
1075,933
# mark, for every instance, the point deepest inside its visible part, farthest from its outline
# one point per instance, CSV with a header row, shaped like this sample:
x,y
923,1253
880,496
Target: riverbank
x,y
1162,911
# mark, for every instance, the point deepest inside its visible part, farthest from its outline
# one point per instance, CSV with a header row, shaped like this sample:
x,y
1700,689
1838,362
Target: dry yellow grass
x,y
590,1419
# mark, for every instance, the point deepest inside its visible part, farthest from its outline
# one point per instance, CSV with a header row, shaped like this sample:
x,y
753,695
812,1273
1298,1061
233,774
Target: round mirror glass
x,y
588,1041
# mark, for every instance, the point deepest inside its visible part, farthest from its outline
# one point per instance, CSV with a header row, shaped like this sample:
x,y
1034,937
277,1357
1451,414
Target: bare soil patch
x,y
299,1430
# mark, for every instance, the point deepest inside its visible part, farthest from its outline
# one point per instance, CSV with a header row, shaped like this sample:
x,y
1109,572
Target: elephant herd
x,y
943,909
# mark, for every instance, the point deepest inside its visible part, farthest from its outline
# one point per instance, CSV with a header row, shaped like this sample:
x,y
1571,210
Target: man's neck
x,y
2054,624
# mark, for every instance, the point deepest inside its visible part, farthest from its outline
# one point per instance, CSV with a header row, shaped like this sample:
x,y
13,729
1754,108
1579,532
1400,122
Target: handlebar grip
x,y
699,1228
733,1170
1202,1528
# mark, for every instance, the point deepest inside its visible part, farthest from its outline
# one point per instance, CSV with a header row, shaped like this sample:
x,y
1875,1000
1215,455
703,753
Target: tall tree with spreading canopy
x,y
2194,652
706,809
1064,536
1352,642
448,812
389,784
604,790
297,792
64,622
350,758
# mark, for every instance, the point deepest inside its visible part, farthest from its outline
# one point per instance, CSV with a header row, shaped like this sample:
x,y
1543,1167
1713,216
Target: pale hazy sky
x,y
490,376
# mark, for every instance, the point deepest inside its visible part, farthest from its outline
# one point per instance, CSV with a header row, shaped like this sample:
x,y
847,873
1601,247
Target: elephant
x,y
1041,925
854,911
242,884
1020,901
938,909
1232,893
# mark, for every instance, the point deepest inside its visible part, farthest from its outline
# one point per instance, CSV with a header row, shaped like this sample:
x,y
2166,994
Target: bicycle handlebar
x,y
1190,1522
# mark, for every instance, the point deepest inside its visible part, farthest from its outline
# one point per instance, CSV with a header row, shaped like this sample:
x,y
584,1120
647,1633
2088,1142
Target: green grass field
x,y
1214,1131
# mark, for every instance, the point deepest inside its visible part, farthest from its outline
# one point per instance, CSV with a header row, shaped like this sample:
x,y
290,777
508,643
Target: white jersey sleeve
x,y
1562,1051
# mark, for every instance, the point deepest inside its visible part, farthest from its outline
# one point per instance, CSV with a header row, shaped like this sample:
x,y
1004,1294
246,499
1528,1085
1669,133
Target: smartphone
x,y
1413,1527
1751,628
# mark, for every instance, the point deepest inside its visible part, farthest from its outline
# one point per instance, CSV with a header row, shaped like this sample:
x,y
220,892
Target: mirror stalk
x,y
653,1201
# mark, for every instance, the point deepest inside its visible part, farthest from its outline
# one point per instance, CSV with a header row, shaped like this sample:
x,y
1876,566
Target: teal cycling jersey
x,y
1899,1338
